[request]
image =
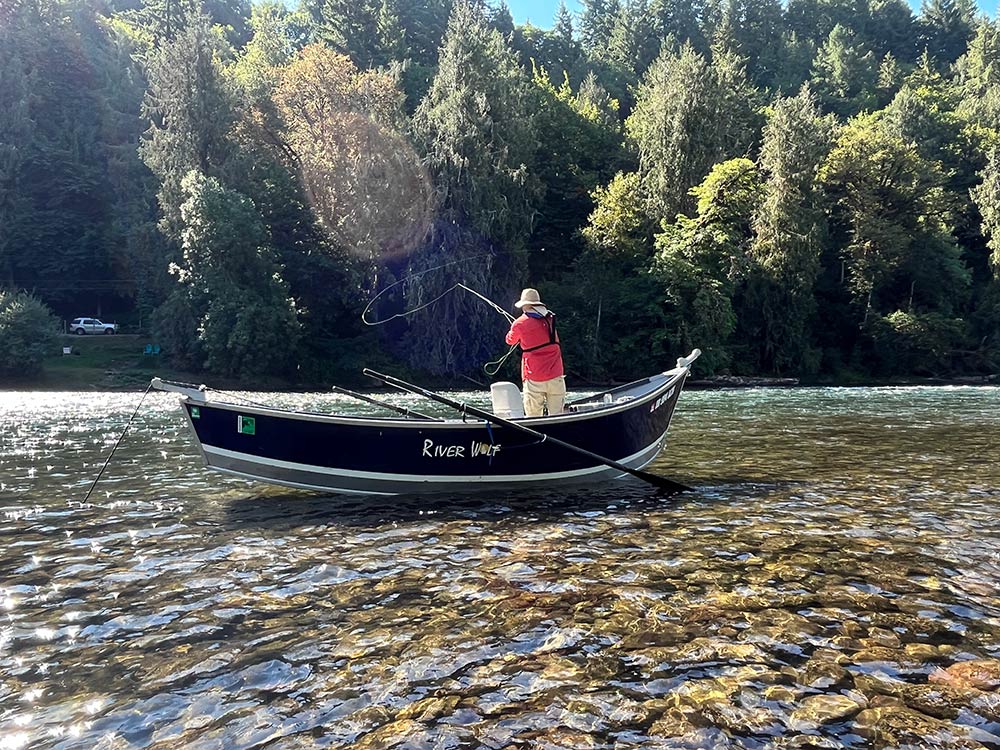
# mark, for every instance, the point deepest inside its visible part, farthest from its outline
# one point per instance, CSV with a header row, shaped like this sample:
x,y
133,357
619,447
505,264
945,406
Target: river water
x,y
832,582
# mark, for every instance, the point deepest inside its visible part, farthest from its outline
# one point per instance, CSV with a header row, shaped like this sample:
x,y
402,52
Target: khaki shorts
x,y
541,393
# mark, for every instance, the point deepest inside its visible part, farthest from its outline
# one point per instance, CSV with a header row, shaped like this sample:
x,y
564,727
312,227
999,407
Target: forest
x,y
806,189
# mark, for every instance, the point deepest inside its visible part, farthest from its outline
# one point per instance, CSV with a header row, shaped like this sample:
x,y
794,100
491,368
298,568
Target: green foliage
x,y
946,26
477,128
845,73
230,283
751,29
27,335
619,226
700,260
597,22
581,152
922,344
790,229
869,241
893,212
987,198
189,105
690,114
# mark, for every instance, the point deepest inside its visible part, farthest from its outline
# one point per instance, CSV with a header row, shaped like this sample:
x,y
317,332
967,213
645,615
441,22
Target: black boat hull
x,y
373,455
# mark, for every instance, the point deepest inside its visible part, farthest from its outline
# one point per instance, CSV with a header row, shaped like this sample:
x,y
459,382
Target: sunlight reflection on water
x,y
840,548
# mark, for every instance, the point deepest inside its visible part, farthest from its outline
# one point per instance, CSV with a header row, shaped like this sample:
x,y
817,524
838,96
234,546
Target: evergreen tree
x,y
892,30
789,228
845,73
946,27
987,198
189,107
597,21
752,30
230,283
632,45
689,115
476,127
351,27
978,77
680,20
563,26
15,141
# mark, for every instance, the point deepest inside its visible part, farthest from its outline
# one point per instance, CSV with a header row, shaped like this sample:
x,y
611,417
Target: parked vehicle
x,y
81,326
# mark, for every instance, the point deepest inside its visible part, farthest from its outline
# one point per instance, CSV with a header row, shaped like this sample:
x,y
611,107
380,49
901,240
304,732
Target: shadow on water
x,y
290,509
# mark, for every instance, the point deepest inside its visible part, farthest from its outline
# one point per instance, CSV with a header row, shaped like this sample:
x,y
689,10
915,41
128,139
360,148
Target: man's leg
x,y
534,398
556,393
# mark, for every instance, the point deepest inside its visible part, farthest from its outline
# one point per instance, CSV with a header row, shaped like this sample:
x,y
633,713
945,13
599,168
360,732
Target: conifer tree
x,y
689,115
597,21
476,127
978,77
987,198
751,30
946,27
845,73
189,107
680,20
563,26
892,30
351,27
789,229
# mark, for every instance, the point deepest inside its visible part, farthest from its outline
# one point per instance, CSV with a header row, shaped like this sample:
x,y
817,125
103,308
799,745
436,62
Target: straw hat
x,y
529,297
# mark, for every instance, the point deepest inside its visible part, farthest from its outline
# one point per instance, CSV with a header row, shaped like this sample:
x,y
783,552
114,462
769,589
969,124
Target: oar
x,y
668,485
391,407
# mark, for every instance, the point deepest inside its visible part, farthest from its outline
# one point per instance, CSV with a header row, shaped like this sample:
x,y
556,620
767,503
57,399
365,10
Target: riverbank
x,y
126,362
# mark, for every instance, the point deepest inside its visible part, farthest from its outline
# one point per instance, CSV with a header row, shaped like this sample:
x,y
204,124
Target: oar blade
x,y
668,486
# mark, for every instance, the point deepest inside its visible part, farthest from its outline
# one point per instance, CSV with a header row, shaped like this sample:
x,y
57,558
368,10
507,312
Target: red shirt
x,y
542,364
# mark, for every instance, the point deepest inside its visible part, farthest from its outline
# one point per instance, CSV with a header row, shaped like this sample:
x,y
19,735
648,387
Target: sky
x,y
541,12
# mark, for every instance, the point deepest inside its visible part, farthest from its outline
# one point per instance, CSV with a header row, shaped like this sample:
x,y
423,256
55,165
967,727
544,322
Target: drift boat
x,y
601,437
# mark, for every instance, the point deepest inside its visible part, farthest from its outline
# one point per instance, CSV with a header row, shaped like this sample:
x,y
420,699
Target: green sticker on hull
x,y
246,425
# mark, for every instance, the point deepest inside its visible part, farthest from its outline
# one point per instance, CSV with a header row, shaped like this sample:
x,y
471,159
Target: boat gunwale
x,y
672,377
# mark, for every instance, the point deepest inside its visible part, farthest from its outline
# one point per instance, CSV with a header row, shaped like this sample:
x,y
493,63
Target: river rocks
x,y
939,701
823,674
897,726
780,694
982,674
822,709
429,709
882,637
877,653
389,735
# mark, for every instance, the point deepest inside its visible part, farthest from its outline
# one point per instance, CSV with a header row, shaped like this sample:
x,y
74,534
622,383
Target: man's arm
x,y
513,335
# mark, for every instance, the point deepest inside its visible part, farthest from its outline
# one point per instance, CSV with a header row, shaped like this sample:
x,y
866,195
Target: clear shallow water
x,y
842,549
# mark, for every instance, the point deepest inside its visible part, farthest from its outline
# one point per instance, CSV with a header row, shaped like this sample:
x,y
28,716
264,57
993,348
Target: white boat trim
x,y
420,478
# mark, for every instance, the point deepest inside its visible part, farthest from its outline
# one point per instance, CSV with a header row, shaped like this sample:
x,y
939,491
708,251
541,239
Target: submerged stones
x,y
981,674
822,709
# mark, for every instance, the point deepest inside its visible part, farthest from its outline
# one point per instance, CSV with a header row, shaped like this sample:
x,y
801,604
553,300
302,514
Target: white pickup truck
x,y
81,326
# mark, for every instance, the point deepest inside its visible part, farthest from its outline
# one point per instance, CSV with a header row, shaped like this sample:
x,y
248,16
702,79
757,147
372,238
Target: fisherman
x,y
541,360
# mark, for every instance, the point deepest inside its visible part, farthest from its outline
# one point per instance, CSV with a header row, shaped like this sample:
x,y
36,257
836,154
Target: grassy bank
x,y
99,363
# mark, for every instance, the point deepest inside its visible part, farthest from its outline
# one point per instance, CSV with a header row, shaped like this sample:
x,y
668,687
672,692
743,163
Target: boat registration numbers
x,y
661,400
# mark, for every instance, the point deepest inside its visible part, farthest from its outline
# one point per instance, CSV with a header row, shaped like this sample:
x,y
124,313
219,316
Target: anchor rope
x,y
118,442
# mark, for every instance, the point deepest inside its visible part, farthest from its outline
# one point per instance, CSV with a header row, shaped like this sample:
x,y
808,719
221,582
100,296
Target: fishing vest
x,y
550,322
